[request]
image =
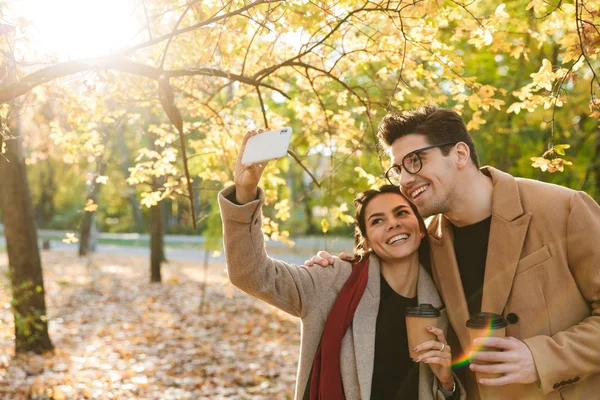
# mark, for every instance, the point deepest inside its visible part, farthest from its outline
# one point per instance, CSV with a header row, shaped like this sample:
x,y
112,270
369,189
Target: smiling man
x,y
516,247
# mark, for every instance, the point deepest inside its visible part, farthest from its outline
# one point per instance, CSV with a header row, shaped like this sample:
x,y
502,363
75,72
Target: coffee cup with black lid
x,y
484,325
418,318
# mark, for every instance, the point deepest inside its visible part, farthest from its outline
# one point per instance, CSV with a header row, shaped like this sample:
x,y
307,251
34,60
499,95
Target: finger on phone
x,y
247,136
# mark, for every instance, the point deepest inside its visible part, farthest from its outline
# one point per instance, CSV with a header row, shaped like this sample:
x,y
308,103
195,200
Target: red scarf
x,y
326,378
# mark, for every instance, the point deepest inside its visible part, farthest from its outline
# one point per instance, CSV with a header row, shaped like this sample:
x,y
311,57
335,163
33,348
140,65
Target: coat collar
x,y
507,234
363,328
365,320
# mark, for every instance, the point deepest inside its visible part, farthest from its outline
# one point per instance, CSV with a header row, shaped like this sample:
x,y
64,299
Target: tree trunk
x,y
137,213
88,222
204,280
157,253
85,233
44,210
124,162
25,266
167,213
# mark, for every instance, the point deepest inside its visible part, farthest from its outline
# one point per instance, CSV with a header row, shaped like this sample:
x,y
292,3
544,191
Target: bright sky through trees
x,y
74,29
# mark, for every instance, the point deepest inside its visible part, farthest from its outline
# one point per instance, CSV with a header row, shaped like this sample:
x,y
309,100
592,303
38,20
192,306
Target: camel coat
x,y
309,293
543,274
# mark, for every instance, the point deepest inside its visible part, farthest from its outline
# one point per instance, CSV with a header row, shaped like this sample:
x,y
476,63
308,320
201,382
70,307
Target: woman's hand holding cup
x,y
246,177
437,354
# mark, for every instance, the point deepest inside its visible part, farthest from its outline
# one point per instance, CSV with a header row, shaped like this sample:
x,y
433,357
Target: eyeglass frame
x,y
416,153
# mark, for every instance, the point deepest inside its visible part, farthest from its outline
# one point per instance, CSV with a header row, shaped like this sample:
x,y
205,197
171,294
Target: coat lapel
x,y
426,291
507,235
363,329
447,275
365,322
428,294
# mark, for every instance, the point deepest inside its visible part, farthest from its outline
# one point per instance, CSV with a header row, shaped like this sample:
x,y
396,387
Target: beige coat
x,y
543,267
309,293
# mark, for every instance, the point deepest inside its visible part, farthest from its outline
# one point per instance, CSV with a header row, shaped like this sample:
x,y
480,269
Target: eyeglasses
x,y
411,162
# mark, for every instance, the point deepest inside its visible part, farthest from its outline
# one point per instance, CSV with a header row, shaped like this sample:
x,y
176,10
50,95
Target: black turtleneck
x,y
395,375
470,246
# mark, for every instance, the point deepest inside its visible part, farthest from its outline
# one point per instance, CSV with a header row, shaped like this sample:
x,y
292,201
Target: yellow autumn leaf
x,y
151,199
341,214
371,179
90,206
476,121
324,225
487,91
70,238
283,209
545,76
102,180
500,13
560,148
540,162
481,37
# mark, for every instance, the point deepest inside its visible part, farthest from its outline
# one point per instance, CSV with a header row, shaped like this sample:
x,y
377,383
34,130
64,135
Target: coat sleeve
x,y
460,394
294,289
575,353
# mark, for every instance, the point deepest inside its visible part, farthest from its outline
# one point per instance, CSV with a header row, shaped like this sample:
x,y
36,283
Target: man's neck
x,y
474,201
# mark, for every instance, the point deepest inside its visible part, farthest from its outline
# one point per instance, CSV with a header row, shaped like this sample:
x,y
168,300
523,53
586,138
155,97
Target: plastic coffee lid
x,y
486,320
422,310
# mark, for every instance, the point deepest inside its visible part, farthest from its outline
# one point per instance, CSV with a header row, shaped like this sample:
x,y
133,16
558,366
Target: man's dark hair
x,y
438,125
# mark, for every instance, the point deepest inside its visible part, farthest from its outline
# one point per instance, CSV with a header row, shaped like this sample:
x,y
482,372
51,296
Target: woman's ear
x,y
463,154
422,234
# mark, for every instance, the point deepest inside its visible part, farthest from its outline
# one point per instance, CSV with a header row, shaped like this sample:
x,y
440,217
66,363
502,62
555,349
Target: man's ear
x,y
463,154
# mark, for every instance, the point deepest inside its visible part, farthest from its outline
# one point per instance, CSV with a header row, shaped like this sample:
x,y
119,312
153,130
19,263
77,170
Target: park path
x,y
190,247
117,335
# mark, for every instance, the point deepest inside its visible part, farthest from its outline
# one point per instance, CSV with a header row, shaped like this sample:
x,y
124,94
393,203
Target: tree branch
x,y
295,157
202,24
167,99
50,73
147,19
164,54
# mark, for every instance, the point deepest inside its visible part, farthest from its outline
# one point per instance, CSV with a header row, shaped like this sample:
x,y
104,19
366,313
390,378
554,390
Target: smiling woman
x,y
75,29
353,344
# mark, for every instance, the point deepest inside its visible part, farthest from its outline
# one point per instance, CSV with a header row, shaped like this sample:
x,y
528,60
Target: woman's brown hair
x,y
360,229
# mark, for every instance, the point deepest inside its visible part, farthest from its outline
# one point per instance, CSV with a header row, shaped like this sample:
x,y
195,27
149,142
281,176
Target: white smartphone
x,y
267,146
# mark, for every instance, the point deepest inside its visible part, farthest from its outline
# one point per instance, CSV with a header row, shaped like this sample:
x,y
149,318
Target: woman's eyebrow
x,y
377,214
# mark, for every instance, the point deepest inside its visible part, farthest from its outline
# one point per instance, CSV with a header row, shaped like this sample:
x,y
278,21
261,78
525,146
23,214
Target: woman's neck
x,y
402,275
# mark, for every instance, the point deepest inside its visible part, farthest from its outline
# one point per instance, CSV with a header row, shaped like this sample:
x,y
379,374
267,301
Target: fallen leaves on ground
x,y
117,336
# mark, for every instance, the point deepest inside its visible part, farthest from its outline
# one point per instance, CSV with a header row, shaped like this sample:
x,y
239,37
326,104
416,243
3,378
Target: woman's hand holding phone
x,y
246,177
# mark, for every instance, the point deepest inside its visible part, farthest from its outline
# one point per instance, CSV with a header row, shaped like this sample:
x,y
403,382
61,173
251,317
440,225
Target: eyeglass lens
x,y
412,163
